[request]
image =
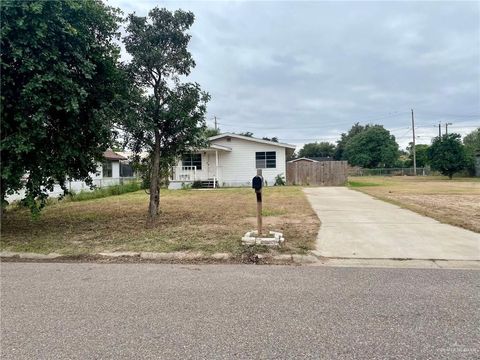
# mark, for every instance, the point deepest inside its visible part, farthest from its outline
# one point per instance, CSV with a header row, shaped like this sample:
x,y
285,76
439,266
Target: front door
x,y
211,167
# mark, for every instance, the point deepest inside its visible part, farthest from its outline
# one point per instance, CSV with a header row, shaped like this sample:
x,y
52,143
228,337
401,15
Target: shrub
x,y
197,184
106,191
280,180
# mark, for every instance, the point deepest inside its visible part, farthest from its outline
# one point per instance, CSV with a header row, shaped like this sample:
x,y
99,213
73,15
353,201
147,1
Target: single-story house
x,y
114,170
303,160
232,160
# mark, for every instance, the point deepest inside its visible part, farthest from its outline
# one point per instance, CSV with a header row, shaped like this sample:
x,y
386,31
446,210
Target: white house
x,y
115,169
232,160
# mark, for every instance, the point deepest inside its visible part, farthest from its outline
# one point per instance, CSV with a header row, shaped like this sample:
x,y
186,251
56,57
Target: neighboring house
x,y
115,169
232,160
303,160
313,159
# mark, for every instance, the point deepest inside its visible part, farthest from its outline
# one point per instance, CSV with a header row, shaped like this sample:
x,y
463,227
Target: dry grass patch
x,y
455,202
191,220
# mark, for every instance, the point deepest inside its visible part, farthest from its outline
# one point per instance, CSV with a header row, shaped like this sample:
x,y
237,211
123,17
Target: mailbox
x,y
257,183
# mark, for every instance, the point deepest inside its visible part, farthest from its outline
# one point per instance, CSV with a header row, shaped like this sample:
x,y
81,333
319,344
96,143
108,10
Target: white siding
x,y
237,168
201,174
77,186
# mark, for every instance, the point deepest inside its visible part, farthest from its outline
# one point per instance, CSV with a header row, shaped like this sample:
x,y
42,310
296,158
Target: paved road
x,y
132,311
355,225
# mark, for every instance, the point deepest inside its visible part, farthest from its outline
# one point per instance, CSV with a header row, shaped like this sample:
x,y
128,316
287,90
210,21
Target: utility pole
x,y
439,129
215,118
446,128
413,147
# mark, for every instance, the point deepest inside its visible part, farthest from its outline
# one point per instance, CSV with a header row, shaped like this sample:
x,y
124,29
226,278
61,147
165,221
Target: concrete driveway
x,y
356,225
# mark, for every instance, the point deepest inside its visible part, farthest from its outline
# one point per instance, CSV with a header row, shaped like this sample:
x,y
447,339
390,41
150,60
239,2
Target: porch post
x,y
216,169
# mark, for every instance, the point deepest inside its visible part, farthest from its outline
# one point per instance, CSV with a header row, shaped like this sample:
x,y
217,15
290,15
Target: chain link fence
x,y
423,171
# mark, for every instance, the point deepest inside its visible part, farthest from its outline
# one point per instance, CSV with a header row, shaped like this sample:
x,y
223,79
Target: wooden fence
x,y
322,173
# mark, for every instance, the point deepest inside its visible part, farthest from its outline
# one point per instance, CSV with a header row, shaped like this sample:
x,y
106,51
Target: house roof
x,y
110,155
220,147
321,158
302,158
248,138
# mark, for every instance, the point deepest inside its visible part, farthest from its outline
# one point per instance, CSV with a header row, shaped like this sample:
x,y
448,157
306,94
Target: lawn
x,y
191,220
455,202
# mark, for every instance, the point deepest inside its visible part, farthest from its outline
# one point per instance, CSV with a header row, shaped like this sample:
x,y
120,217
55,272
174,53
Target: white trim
x,y
214,147
284,145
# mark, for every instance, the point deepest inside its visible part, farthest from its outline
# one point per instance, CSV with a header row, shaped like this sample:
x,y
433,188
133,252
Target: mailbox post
x,y
257,184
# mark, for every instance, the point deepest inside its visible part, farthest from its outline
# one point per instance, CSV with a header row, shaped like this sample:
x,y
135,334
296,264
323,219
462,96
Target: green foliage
x,y
421,153
168,120
280,180
209,132
356,184
472,140
317,149
472,146
272,139
447,154
372,147
106,191
197,184
186,186
246,133
344,138
60,82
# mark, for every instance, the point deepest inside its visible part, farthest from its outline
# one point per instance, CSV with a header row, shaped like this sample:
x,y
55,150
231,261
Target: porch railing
x,y
184,173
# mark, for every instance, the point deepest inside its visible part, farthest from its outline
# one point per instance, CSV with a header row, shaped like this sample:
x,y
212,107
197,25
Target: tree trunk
x,y
154,183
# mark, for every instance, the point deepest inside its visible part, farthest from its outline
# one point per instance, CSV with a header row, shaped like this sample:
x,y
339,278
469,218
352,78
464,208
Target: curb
x,y
311,259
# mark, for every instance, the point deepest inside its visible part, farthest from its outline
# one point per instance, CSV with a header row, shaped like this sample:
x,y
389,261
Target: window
x,y
192,160
266,160
107,169
126,169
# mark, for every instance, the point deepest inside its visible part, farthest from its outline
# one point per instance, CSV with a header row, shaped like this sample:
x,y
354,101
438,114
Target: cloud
x,y
309,70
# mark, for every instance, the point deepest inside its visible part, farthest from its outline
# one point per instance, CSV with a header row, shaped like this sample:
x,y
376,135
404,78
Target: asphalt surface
x,y
152,311
356,225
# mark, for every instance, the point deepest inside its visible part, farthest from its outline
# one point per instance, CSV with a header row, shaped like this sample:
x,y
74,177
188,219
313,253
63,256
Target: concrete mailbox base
x,y
251,238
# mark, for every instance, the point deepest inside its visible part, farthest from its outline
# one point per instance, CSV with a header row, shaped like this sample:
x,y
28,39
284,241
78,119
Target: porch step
x,y
208,184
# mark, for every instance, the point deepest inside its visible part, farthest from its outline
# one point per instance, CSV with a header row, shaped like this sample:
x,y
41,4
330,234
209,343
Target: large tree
x,y
472,147
59,80
345,137
317,149
373,147
472,139
447,154
170,115
421,154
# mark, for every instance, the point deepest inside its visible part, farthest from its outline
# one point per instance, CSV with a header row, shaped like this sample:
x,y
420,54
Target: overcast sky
x,y
306,71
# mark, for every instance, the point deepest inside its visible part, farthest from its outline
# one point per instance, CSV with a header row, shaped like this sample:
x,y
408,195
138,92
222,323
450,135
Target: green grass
x,y
106,191
273,212
356,184
455,202
190,220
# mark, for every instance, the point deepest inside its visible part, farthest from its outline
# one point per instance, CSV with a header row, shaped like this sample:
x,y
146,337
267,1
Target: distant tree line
x,y
372,146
